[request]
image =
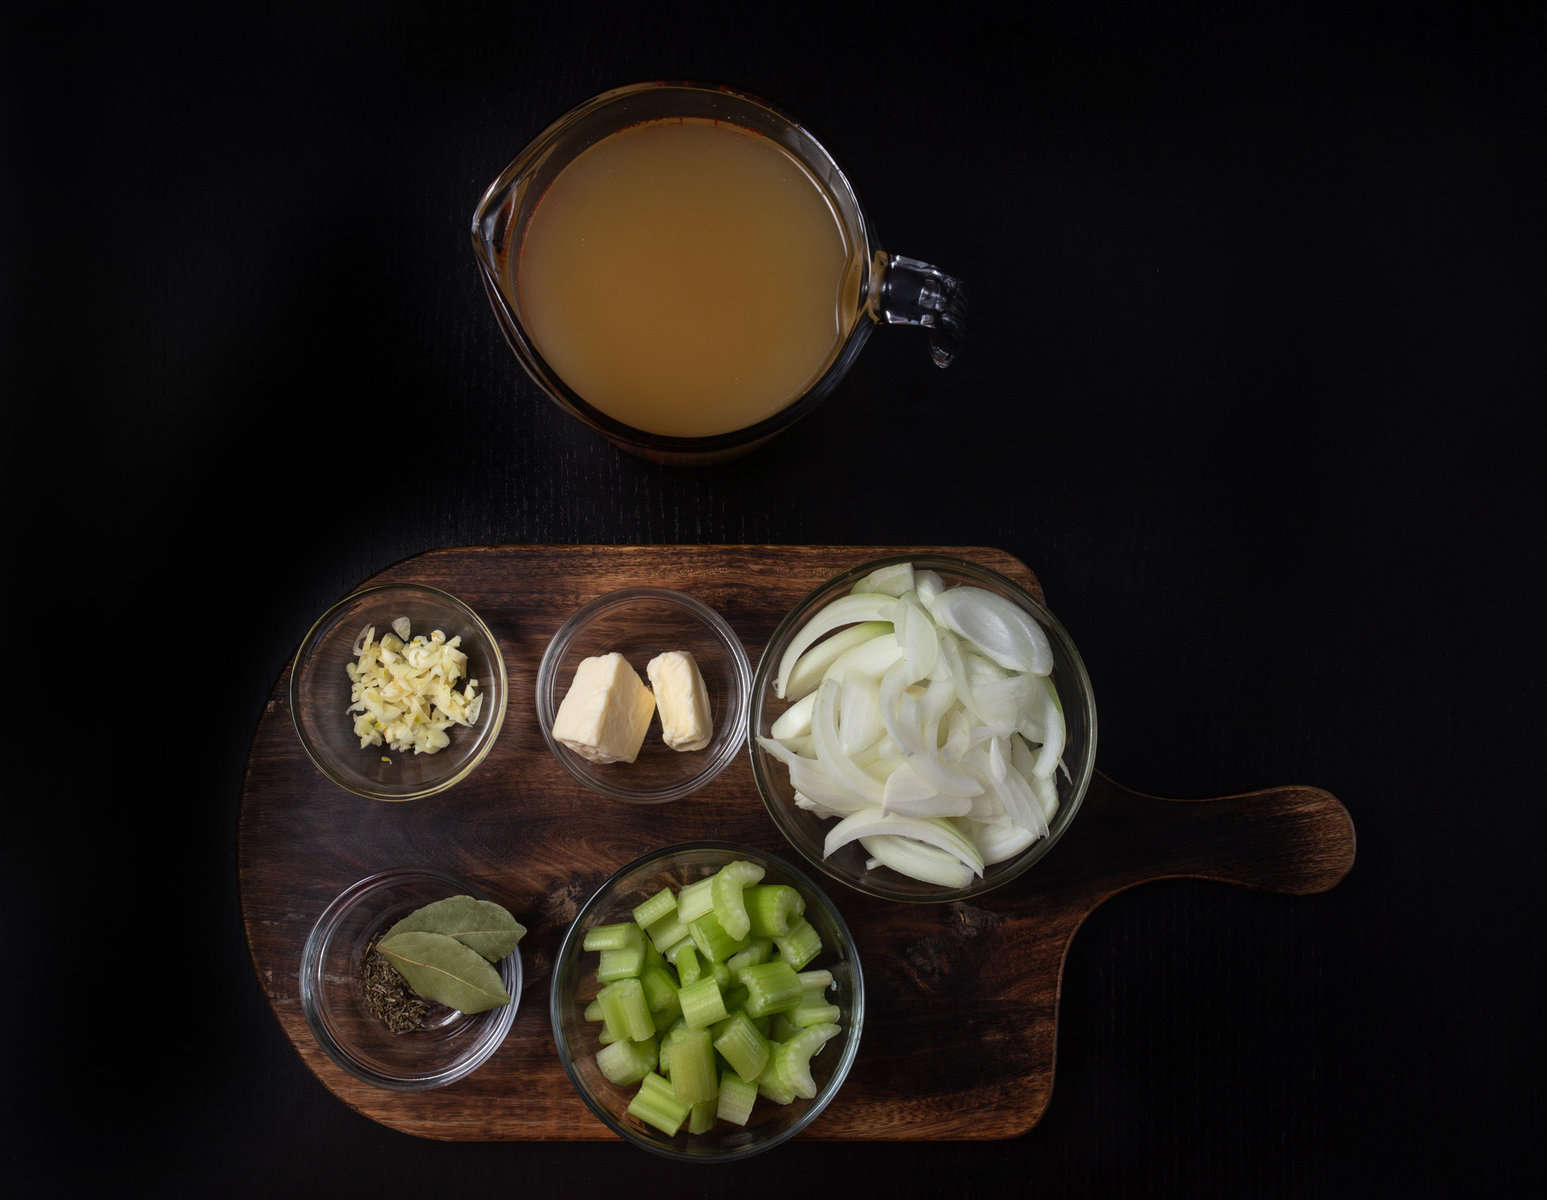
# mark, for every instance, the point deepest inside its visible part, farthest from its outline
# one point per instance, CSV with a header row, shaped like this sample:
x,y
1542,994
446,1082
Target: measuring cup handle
x,y
916,293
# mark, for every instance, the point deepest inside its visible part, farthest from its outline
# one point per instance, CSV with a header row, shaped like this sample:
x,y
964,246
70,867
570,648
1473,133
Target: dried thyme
x,y
387,994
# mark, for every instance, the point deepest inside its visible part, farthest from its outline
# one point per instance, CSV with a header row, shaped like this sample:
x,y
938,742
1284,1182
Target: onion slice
x,y
845,610
872,821
1001,629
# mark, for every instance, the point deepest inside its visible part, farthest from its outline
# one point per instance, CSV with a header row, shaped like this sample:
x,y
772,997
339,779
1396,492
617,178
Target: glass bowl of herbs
x,y
366,1015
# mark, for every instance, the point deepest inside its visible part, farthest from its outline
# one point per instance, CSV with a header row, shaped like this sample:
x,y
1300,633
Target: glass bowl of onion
x,y
398,691
769,1056
922,729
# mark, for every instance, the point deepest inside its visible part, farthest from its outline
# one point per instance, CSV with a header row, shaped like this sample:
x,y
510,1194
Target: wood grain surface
x,y
961,1020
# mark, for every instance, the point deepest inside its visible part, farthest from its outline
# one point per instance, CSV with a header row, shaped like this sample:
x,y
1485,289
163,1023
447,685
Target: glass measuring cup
x,y
887,289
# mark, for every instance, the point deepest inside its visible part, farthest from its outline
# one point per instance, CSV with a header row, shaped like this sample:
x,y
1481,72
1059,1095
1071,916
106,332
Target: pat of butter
x,y
606,711
682,698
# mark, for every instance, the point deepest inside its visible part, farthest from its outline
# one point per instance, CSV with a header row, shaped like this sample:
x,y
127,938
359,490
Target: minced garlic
x,y
405,689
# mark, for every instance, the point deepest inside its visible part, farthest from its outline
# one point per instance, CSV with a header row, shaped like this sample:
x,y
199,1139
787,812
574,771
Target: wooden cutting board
x,y
962,999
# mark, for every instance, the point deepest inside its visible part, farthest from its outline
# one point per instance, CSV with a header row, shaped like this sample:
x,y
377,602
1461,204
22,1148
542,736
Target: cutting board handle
x,y
1294,839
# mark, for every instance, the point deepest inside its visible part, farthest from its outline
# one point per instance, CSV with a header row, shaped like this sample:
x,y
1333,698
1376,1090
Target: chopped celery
x,y
821,980
701,1003
686,961
813,1009
772,908
737,1096
769,1085
771,987
790,1064
742,1046
667,933
693,1075
625,1011
627,1062
757,952
800,945
701,1116
725,895
763,1024
611,937
593,1011
653,909
625,963
666,1018
711,939
722,975
669,1042
660,992
656,1104
695,900
781,1028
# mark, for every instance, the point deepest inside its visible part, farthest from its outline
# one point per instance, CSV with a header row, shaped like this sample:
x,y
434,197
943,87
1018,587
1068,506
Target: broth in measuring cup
x,y
687,277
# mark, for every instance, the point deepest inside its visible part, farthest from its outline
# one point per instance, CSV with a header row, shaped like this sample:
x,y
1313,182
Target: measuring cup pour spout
x,y
916,293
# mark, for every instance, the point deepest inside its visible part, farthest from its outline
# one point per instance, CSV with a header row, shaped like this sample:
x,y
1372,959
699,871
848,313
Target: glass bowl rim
x,y
735,720
486,735
310,983
852,1031
1034,853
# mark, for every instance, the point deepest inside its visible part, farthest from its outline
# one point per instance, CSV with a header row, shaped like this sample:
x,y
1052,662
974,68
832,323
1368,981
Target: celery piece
x,y
686,961
695,900
611,937
815,979
693,1074
737,1096
627,1062
768,1084
667,933
650,956
711,939
701,1003
609,1035
773,908
701,1116
771,987
722,975
764,1025
624,1009
800,945
658,1105
790,1063
757,952
735,998
669,1042
593,1011
653,909
781,1028
625,963
813,1009
742,1047
725,895
666,1018
660,992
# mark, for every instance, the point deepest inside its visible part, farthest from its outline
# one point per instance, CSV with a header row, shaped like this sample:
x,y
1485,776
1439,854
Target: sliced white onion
x,y
916,860
887,581
859,714
909,793
1001,629
824,732
795,720
845,610
814,664
870,822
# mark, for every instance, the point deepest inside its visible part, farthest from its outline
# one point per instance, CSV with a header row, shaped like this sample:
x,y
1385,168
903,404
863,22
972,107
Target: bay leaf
x,y
481,924
442,969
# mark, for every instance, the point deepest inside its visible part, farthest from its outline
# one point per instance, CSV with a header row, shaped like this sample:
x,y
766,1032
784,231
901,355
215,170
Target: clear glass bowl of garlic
x,y
395,717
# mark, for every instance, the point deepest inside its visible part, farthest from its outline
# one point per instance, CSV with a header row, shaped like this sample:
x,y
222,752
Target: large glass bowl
x,y
574,986
319,693
640,623
450,1046
806,831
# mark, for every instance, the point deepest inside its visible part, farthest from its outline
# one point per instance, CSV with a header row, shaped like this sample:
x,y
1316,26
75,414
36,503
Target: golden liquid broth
x,y
686,277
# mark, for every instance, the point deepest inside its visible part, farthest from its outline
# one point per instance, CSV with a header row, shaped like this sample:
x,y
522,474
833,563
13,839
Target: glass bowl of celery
x,y
922,729
707,1002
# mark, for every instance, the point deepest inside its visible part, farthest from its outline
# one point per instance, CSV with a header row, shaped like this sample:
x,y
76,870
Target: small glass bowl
x,y
451,1046
319,693
640,623
574,986
806,831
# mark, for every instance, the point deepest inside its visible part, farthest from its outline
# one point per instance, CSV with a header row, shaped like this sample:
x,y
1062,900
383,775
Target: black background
x,y
1256,343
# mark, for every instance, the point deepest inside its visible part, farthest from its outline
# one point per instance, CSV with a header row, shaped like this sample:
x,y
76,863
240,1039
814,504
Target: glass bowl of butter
x,y
642,695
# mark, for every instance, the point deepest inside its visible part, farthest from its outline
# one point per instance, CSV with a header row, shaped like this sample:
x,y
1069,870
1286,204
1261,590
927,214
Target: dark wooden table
x,y
1256,320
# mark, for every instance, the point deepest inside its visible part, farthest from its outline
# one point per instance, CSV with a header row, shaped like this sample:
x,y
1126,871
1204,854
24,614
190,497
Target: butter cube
x,y
682,698
606,711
